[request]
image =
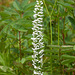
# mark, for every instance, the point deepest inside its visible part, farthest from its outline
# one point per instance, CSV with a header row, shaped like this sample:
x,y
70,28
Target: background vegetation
x,y
16,18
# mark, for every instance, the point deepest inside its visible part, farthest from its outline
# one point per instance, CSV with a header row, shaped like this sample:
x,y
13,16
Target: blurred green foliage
x,y
17,18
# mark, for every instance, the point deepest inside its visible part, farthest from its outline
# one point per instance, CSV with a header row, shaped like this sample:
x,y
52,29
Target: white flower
x,y
39,24
37,67
40,61
40,40
41,51
40,21
35,33
37,37
35,21
37,1
40,36
41,7
41,2
40,12
35,48
41,46
35,15
40,15
37,6
40,18
41,56
33,62
35,56
36,9
33,38
39,73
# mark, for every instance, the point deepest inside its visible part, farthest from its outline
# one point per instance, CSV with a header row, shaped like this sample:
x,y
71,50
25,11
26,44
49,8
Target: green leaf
x,y
19,65
16,5
61,47
29,6
55,57
45,73
66,5
24,3
28,14
74,47
67,61
29,50
74,12
22,30
72,22
68,57
10,11
4,68
25,43
11,35
70,2
4,15
49,2
66,51
21,25
2,60
23,60
29,36
5,29
26,59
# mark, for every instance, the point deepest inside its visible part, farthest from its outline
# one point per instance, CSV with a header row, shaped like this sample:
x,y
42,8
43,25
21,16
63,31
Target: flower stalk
x,y
38,44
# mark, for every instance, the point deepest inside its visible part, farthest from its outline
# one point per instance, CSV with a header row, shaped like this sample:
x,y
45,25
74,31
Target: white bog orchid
x,y
38,43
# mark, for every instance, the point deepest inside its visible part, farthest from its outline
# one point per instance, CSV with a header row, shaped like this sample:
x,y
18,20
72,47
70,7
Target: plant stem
x,y
46,7
63,32
63,39
9,53
20,45
50,15
68,73
58,30
73,73
59,54
60,61
20,40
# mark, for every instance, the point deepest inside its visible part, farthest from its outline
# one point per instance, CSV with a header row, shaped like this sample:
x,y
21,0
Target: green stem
x,y
20,45
51,48
50,15
46,7
64,40
59,54
53,7
9,53
50,19
58,28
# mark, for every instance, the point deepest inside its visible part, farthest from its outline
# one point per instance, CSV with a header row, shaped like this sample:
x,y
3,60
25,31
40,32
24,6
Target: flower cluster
x,y
38,43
